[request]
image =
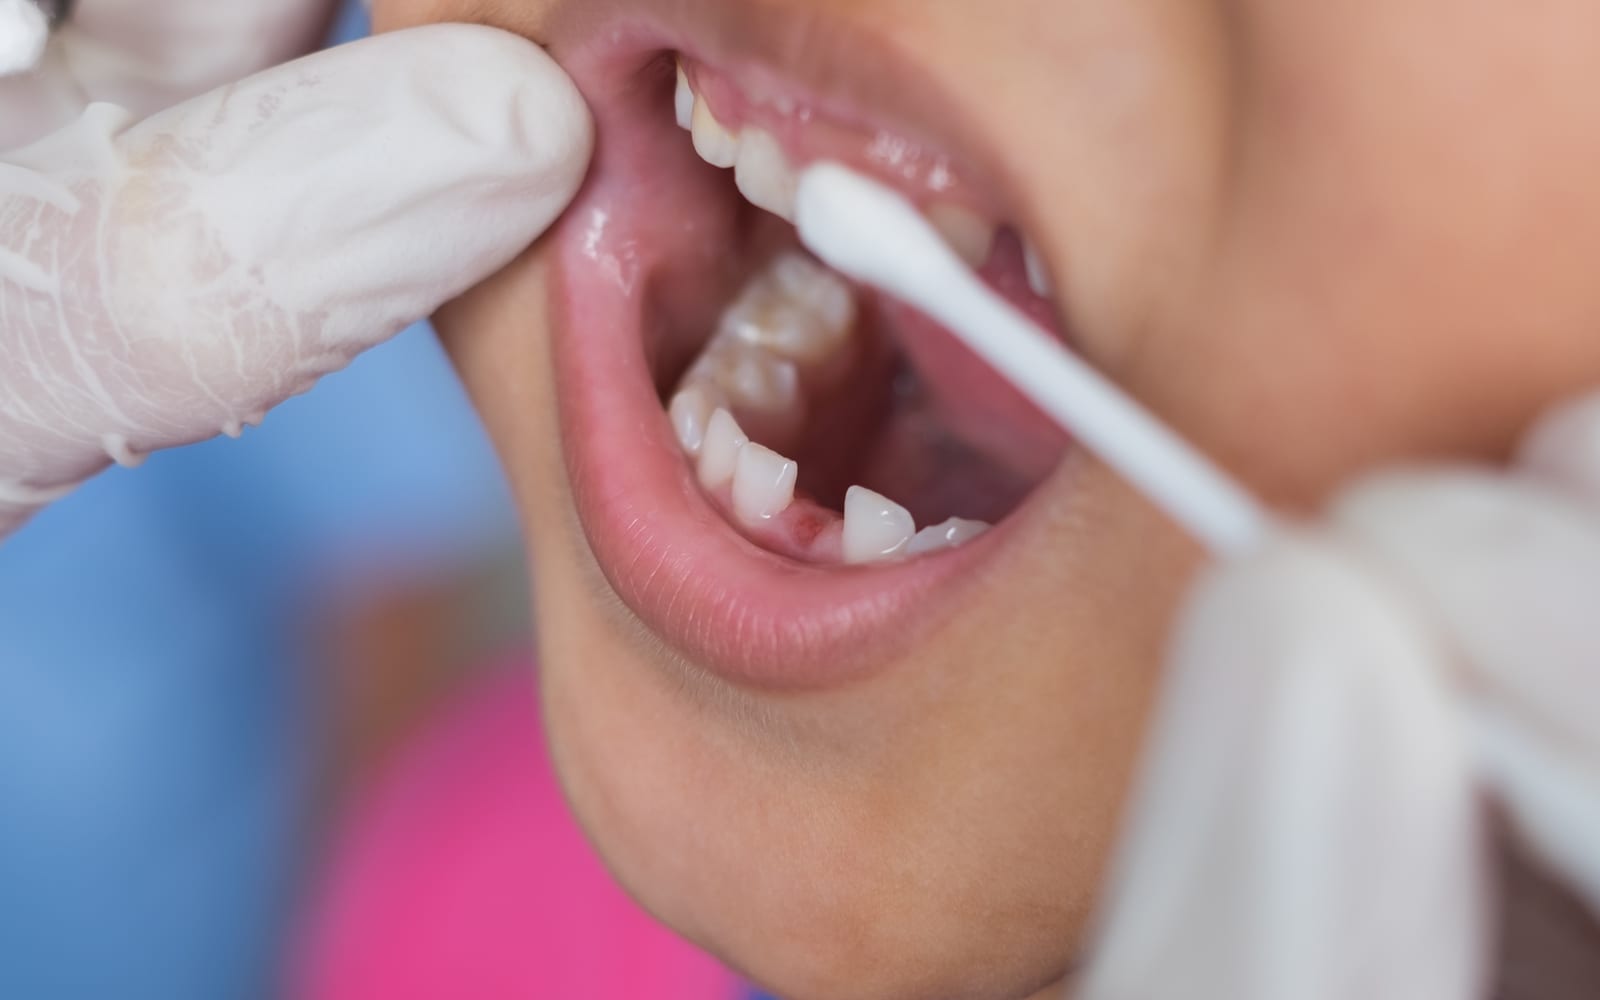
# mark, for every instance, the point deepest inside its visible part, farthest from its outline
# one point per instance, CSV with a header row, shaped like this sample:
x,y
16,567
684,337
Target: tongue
x,y
954,437
919,461
974,404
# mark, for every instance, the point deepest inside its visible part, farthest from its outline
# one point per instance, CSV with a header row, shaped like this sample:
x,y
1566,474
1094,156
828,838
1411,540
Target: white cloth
x,y
1347,712
167,278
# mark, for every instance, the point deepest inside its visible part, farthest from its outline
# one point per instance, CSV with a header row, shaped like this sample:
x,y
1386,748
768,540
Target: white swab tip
x,y
23,34
867,230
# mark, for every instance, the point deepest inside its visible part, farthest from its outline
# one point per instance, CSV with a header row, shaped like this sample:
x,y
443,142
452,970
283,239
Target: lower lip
x,y
746,614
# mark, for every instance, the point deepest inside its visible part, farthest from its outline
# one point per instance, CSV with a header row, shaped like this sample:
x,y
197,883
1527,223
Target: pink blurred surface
x,y
462,875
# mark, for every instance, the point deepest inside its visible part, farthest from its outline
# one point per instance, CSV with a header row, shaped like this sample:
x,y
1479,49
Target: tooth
x,y
1038,277
763,484
719,449
947,535
967,233
777,324
683,100
823,292
763,382
715,144
763,174
689,411
753,378
875,527
794,309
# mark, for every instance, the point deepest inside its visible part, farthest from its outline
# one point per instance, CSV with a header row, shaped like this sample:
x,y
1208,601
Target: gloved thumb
x,y
165,280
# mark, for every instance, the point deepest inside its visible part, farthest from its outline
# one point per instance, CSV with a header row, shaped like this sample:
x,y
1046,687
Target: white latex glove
x,y
147,55
1342,708
166,279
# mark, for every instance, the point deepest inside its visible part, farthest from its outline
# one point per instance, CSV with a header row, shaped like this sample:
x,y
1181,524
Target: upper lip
x,y
748,615
857,74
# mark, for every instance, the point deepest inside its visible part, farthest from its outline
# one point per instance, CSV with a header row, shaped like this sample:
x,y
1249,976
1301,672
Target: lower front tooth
x,y
946,535
763,175
683,100
763,484
875,527
689,411
719,450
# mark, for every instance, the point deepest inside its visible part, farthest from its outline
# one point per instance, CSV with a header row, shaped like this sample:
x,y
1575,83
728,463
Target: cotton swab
x,y
872,234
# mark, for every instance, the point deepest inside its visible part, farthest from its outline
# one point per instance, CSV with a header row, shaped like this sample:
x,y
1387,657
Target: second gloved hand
x,y
1351,714
166,279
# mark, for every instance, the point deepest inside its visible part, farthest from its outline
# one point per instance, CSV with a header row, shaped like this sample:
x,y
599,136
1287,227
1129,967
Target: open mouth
x,y
778,472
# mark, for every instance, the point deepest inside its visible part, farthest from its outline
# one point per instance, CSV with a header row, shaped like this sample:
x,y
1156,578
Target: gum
x,y
805,530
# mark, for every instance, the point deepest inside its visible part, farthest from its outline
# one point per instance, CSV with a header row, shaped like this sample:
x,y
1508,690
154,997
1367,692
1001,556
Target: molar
x,y
967,233
772,321
763,484
1038,275
719,449
715,144
822,291
763,174
753,379
946,535
875,527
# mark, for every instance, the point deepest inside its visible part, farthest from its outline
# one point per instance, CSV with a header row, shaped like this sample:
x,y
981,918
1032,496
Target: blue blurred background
x,y
163,693
164,684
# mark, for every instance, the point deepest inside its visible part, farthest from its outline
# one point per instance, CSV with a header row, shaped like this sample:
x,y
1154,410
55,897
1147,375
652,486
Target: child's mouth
x,y
776,471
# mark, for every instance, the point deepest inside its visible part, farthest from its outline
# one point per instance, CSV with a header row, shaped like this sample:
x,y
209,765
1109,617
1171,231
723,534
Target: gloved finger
x,y
149,54
1304,824
165,280
1510,568
1564,448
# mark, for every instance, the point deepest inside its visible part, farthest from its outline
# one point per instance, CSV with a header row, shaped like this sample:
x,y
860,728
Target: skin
x,y
1369,227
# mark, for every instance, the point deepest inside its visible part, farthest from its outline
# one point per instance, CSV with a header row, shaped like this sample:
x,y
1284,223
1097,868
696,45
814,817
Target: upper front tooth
x,y
763,174
946,535
715,144
763,484
965,230
683,100
1038,275
875,527
719,449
